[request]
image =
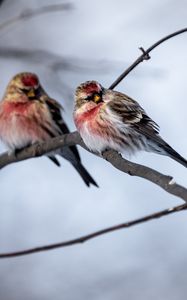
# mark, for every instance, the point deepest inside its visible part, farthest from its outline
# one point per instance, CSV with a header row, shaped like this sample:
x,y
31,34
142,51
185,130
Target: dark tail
x,y
84,174
54,159
71,154
158,145
176,156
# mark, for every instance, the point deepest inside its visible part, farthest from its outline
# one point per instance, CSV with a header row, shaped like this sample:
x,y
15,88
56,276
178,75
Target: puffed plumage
x,y
108,119
28,115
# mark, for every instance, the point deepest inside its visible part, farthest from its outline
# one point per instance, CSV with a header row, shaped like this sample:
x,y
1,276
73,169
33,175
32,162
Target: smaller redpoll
x,y
28,115
108,119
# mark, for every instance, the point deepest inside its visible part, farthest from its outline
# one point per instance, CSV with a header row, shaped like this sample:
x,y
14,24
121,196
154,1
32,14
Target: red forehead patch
x,y
30,80
92,87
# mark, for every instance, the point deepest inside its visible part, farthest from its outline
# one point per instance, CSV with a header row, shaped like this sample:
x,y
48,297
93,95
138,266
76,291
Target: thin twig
x,y
144,56
30,13
165,182
95,234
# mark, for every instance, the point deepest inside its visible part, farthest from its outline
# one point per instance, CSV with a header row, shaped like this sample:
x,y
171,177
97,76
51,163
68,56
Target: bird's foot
x,y
103,152
17,151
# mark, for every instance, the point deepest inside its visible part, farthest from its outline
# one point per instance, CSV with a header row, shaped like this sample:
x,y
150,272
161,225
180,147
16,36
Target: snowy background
x,y
41,204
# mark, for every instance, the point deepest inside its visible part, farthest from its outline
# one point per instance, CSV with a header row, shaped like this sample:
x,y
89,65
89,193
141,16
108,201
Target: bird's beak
x,y
97,98
31,93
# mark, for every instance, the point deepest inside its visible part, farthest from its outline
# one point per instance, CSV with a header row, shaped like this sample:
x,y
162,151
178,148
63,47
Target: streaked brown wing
x,y
133,114
55,110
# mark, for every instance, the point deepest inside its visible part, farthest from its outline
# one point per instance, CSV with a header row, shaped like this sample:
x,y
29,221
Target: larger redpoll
x,y
108,119
28,115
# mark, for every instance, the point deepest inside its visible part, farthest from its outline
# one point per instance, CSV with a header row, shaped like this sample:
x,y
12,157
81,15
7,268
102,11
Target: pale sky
x,y
41,203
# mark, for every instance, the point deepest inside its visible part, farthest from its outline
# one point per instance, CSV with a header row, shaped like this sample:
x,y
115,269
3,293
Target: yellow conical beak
x,y
97,98
31,93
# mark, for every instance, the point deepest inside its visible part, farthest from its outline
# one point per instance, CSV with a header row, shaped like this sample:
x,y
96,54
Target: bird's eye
x,y
29,92
96,97
32,94
89,98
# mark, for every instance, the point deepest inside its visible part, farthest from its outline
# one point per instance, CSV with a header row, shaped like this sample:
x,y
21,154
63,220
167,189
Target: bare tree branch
x,y
1,2
95,234
54,63
30,13
144,56
165,182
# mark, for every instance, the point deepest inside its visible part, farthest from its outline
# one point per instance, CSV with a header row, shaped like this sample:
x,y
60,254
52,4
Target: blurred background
x,y
41,204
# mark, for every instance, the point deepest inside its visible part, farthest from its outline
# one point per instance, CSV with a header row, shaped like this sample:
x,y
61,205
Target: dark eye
x,y
96,97
25,91
32,93
89,98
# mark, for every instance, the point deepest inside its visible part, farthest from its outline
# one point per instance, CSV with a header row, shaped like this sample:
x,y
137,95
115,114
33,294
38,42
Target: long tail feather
x,y
176,156
54,159
87,178
161,147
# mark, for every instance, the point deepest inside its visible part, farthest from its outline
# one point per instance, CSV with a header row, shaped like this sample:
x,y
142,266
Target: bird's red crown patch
x,y
91,87
30,80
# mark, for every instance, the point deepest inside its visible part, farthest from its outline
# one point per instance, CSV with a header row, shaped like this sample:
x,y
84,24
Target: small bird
x,y
28,115
108,119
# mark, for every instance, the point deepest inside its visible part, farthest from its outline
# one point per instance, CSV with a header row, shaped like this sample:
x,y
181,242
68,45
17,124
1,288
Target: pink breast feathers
x,y
88,116
12,107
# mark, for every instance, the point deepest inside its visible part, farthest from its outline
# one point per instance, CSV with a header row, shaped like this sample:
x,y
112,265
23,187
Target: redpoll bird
x,y
108,119
28,115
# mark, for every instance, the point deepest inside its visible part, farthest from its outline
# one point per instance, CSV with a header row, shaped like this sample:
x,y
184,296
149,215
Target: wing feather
x,y
132,114
55,110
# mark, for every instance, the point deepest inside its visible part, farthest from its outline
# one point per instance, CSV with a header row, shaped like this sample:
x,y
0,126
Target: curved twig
x,y
144,56
165,182
95,234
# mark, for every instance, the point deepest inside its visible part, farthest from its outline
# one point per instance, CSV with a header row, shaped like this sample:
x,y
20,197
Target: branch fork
x,y
114,158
